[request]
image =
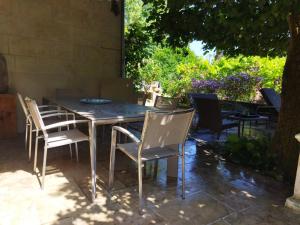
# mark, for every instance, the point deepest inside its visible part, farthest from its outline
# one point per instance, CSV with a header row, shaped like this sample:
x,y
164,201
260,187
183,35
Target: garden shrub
x,y
269,69
180,71
254,153
241,86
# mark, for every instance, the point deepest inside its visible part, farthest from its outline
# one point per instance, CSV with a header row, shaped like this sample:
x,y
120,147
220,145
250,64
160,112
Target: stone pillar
x,y
172,169
293,202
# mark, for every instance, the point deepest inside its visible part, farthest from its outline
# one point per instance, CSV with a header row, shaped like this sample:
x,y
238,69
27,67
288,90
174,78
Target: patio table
x,y
243,119
103,114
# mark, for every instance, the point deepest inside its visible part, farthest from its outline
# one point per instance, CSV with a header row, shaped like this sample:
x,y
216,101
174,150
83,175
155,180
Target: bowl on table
x,y
95,101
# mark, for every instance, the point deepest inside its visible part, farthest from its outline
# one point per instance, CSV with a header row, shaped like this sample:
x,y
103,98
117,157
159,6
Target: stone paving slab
x,y
217,192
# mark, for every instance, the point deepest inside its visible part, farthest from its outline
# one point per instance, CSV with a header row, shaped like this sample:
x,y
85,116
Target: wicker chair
x,y
272,98
210,115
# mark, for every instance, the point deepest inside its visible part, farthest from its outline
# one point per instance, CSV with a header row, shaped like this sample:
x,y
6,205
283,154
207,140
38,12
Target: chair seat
x,y
56,139
131,149
226,124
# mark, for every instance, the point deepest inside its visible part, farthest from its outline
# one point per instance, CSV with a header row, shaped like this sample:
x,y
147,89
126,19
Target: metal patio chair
x,y
29,129
161,130
54,139
162,103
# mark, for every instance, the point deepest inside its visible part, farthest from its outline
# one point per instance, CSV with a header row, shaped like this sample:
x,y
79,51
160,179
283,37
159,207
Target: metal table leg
x,y
93,147
243,127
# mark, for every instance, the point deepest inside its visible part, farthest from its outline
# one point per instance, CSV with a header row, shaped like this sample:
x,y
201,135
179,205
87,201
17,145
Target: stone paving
x,y
217,192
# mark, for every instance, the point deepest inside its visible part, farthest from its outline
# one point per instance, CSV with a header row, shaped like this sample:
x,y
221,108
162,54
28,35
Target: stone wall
x,y
53,44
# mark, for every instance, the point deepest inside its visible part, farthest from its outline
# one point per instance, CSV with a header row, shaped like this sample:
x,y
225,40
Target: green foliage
x,y
138,43
147,23
267,68
236,27
166,66
254,153
176,68
136,13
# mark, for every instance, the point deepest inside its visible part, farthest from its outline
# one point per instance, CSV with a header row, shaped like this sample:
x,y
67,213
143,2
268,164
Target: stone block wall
x,y
52,44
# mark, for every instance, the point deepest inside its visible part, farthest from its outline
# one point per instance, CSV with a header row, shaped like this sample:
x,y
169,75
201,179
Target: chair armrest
x,y
65,123
265,107
52,111
58,113
126,132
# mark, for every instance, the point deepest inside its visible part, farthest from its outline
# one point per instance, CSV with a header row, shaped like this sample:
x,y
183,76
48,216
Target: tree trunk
x,y
284,142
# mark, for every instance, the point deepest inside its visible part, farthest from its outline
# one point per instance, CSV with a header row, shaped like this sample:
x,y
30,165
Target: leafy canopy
x,y
248,27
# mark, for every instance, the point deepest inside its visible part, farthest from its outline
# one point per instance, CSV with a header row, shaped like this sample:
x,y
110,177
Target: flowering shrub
x,y
206,86
241,87
179,71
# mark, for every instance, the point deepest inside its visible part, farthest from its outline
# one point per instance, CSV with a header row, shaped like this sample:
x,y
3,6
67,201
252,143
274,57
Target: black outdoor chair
x,y
210,115
272,98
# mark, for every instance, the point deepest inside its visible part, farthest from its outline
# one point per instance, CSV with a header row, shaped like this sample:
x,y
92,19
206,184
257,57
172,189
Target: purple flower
x,y
209,85
240,86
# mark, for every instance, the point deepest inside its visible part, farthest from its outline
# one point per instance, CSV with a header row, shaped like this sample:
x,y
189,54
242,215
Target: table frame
x,y
243,120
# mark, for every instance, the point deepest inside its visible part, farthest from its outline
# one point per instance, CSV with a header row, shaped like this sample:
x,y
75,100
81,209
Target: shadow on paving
x,y
217,192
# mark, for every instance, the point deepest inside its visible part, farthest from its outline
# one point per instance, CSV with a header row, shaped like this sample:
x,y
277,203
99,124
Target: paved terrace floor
x,y
217,192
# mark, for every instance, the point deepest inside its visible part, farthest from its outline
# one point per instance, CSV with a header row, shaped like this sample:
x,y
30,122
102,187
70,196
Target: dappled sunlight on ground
x,y
217,192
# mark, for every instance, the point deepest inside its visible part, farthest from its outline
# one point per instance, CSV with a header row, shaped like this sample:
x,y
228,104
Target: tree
x,y
248,27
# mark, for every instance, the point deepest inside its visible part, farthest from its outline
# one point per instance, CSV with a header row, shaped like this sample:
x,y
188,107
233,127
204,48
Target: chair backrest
x,y
166,128
166,103
35,114
23,105
271,97
209,111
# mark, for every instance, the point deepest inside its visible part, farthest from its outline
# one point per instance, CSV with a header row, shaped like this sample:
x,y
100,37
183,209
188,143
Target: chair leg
x,y
35,151
26,135
183,171
145,169
71,151
140,174
103,132
112,160
76,151
44,166
30,141
155,170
